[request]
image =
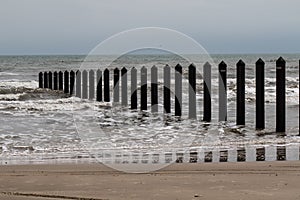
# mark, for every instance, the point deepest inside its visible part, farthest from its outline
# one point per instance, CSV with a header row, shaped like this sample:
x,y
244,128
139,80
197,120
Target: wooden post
x,y
167,85
50,80
222,91
46,80
178,90
124,86
91,84
260,94
240,96
84,84
66,82
106,86
60,81
78,84
207,92
154,90
99,85
192,92
55,79
41,80
116,88
72,82
144,88
280,95
133,88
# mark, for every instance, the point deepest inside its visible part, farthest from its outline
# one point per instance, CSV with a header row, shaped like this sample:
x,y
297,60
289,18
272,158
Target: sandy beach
x,y
252,180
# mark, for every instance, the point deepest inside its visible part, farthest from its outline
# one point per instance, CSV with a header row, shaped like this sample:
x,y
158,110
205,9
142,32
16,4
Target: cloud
x,y
76,26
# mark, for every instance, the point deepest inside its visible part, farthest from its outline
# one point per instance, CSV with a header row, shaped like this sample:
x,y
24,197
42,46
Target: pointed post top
x,y
40,72
153,67
124,69
178,66
192,65
207,64
116,69
240,63
98,70
84,71
222,63
66,71
71,71
106,70
167,66
133,69
144,68
280,61
260,62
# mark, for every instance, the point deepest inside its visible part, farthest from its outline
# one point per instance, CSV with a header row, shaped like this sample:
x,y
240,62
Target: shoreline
x,y
246,180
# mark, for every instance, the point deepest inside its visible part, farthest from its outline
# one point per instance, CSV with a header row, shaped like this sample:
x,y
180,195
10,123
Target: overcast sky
x,y
220,26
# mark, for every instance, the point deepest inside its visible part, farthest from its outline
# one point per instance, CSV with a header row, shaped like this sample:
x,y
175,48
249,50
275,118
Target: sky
x,y
30,27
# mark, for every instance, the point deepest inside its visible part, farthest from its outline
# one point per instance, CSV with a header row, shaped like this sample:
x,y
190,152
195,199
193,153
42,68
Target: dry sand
x,y
257,180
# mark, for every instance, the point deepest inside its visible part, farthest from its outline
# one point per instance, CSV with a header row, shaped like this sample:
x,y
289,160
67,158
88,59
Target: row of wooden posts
x,y
67,80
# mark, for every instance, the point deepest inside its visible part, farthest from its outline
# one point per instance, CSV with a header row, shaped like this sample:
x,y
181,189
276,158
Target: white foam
x,y
18,84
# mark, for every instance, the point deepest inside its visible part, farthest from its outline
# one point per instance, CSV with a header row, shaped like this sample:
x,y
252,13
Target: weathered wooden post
x,y
106,86
50,80
116,88
124,86
192,92
46,81
60,81
41,80
72,82
154,90
91,84
78,84
222,91
66,82
178,90
260,94
84,84
240,96
99,85
280,95
55,79
167,85
207,92
144,88
133,97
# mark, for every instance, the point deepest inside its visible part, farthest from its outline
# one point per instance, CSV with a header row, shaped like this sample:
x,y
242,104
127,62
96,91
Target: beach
x,y
248,180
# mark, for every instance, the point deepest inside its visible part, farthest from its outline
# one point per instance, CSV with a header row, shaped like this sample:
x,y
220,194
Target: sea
x,y
46,126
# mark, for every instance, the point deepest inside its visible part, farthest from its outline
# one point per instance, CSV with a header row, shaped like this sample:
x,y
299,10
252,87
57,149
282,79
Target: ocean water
x,y
41,125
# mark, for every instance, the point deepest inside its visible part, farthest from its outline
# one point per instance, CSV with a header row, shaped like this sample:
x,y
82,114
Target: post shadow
x,y
222,91
260,94
207,92
154,90
167,85
178,90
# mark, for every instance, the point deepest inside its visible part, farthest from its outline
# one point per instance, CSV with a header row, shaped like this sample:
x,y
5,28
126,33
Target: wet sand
x,y
252,180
